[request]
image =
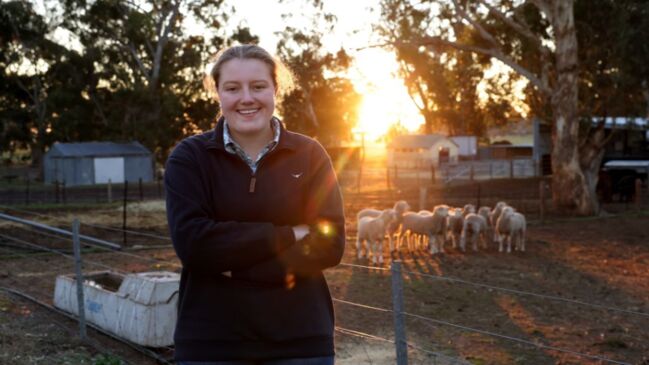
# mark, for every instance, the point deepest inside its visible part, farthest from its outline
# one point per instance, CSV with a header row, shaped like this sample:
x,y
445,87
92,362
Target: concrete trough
x,y
139,307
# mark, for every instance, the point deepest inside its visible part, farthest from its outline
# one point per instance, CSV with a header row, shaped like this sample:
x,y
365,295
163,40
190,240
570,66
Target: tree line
x,y
134,72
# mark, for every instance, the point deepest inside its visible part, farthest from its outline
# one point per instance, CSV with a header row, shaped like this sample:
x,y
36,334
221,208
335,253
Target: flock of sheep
x,y
400,226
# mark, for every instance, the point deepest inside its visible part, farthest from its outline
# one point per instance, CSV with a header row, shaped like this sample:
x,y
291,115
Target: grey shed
x,y
89,163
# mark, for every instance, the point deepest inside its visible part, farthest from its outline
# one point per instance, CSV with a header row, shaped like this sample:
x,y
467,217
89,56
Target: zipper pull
x,y
253,181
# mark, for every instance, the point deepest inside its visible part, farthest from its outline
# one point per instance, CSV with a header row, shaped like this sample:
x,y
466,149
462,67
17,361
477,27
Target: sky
x,y
373,73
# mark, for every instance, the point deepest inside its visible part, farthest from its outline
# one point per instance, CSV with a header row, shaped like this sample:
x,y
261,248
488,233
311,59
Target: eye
x,y
259,87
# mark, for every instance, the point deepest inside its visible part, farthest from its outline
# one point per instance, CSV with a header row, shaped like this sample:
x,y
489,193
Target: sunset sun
x,y
385,97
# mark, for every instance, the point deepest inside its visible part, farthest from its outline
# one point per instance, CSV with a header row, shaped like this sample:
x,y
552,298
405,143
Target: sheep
x,y
372,230
455,225
485,213
511,225
400,207
468,209
433,226
475,225
494,215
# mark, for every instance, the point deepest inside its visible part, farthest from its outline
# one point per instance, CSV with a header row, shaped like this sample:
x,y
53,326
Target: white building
x,y
421,150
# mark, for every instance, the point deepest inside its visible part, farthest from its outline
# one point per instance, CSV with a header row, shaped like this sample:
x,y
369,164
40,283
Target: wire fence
x,y
399,339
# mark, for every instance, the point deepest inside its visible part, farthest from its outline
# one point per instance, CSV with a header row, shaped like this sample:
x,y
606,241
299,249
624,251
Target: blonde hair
x,y
281,75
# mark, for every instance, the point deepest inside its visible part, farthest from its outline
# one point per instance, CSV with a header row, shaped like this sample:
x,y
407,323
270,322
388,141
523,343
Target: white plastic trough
x,y
138,307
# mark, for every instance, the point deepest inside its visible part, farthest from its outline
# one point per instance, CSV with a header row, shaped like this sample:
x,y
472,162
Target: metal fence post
x,y
109,191
638,193
542,200
397,308
124,211
423,194
79,275
27,191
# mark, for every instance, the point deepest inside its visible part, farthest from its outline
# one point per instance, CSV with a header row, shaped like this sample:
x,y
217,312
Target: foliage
x,y
444,82
325,104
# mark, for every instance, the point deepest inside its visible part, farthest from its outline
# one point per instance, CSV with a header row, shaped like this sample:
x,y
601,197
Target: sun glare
x,y
385,97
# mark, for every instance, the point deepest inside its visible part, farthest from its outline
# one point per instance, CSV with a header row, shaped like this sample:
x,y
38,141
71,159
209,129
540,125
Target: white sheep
x,y
468,209
485,212
455,225
475,226
511,225
432,226
394,229
494,215
372,230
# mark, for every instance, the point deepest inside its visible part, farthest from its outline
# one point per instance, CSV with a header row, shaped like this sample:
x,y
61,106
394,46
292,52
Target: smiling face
x,y
247,94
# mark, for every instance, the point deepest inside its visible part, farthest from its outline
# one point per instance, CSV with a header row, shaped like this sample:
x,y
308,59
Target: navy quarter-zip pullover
x,y
223,218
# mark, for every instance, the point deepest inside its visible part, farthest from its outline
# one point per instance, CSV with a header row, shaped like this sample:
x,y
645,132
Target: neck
x,y
253,143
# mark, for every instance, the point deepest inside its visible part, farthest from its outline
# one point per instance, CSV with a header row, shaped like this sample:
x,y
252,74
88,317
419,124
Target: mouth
x,y
247,112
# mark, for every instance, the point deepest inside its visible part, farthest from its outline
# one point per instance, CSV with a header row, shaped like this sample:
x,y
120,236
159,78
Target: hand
x,y
300,231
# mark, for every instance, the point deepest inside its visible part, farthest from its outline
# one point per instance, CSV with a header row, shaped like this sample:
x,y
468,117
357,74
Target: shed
x,y
420,150
89,163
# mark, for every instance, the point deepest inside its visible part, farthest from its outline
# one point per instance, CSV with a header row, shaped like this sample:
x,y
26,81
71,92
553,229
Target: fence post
x,y
65,200
423,192
397,310
542,200
511,168
432,174
27,191
79,276
124,211
139,184
638,193
56,191
109,192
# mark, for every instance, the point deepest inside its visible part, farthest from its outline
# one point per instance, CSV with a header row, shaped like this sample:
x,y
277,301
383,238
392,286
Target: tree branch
x,y
433,41
518,27
162,42
483,32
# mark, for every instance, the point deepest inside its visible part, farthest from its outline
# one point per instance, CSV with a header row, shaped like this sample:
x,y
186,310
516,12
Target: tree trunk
x,y
573,178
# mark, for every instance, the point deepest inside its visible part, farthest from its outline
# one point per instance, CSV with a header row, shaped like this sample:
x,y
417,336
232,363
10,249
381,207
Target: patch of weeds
x,y
107,360
613,344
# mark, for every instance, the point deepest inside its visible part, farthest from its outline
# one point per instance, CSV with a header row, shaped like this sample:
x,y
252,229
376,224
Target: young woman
x,y
255,215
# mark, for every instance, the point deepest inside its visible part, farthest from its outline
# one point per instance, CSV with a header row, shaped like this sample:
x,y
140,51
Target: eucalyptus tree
x,y
539,41
150,60
444,84
29,79
324,102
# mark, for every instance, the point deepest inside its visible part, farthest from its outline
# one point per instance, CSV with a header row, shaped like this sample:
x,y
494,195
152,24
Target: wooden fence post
x,y
79,276
397,309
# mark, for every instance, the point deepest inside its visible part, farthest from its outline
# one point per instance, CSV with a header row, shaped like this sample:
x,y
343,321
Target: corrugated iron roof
x,y
93,149
417,140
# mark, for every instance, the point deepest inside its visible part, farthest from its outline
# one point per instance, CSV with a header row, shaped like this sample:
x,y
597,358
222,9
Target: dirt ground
x,y
603,263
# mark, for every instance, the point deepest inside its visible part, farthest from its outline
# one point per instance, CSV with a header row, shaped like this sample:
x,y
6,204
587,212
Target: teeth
x,y
248,111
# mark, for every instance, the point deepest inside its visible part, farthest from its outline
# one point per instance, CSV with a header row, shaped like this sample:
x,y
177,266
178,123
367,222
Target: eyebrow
x,y
239,82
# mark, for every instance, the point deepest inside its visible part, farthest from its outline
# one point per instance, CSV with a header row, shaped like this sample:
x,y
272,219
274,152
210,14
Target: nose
x,y
247,95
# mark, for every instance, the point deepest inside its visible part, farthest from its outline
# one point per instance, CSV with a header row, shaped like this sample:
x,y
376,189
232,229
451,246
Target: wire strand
x,y
521,292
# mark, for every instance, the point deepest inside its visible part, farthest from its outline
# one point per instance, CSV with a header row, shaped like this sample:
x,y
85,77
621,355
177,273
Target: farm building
x,y
420,150
91,163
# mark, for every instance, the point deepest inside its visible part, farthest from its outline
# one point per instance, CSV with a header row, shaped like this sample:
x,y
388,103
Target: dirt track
x,y
603,261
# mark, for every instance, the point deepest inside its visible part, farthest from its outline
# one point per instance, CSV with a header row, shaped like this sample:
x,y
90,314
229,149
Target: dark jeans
x,y
327,360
